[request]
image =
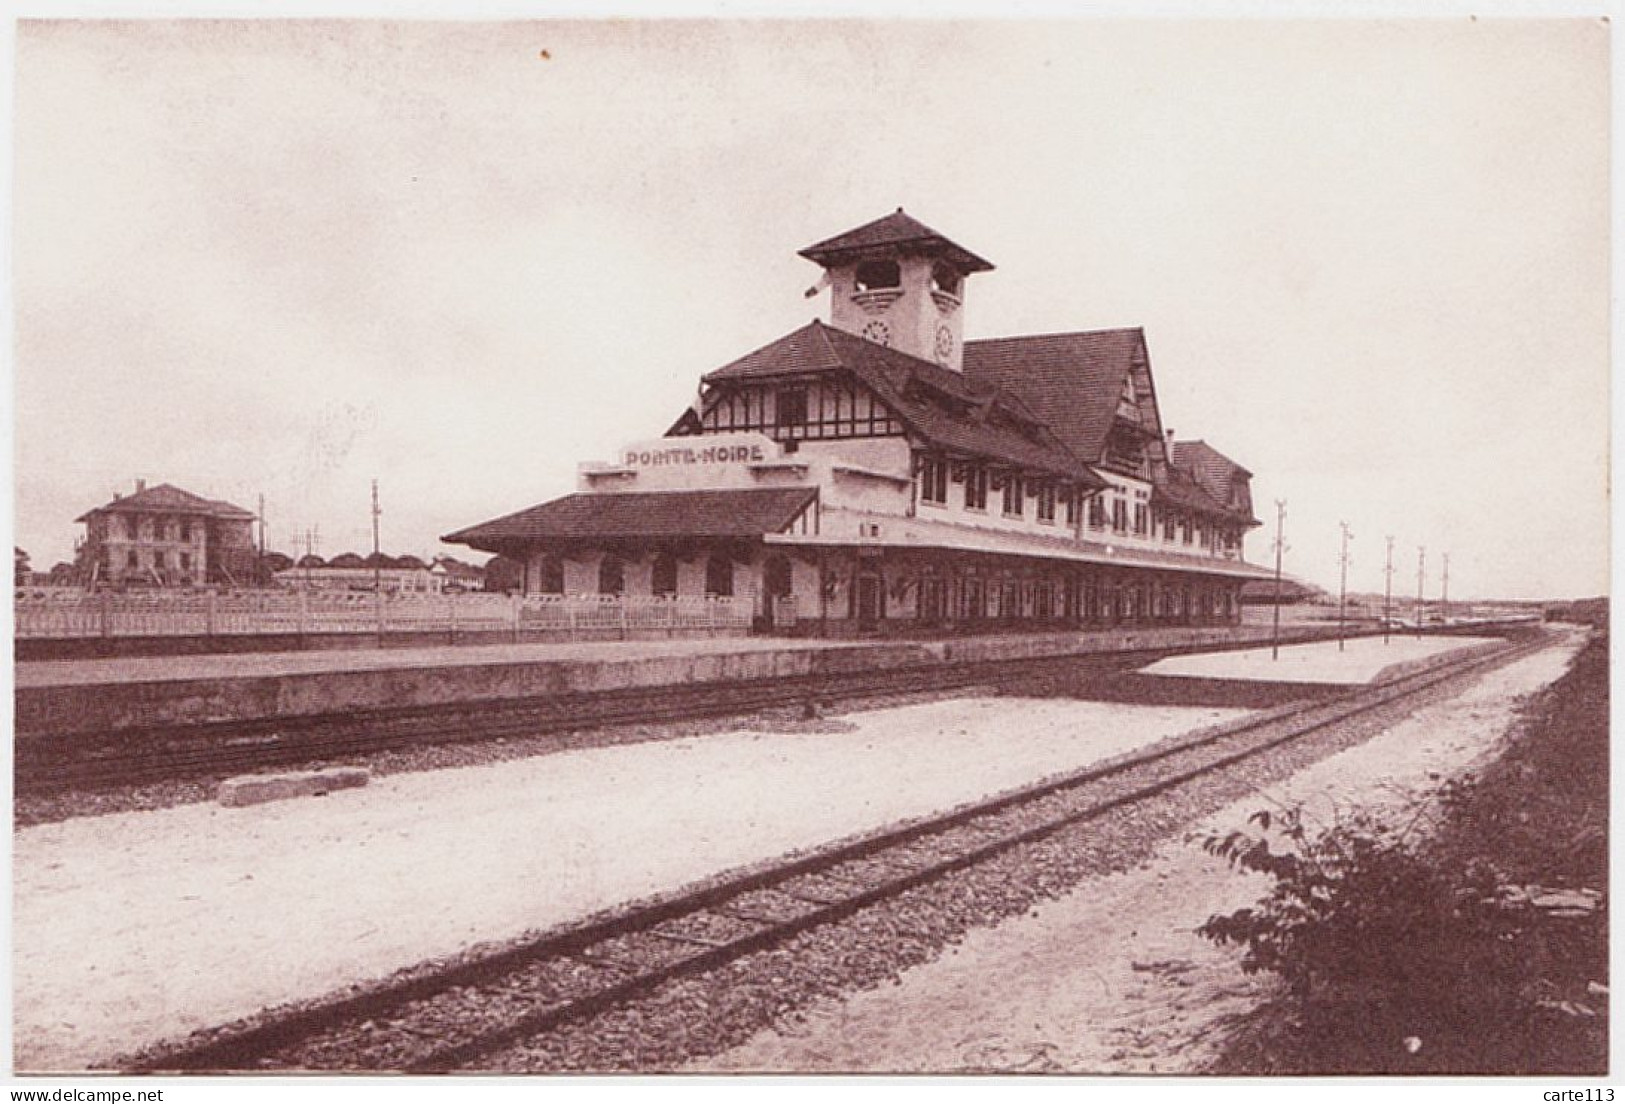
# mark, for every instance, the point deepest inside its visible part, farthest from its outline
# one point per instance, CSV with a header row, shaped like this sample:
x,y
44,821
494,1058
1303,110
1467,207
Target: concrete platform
x,y
111,695
1359,661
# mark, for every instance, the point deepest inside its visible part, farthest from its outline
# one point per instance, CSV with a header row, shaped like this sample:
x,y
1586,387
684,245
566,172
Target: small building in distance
x,y
349,571
456,576
164,536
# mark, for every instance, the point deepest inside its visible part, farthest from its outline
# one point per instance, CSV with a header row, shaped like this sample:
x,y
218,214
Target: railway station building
x,y
878,473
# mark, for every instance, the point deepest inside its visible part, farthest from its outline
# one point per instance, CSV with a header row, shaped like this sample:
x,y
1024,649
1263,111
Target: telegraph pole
x,y
1444,599
259,568
1388,592
1421,558
1343,581
1280,546
377,563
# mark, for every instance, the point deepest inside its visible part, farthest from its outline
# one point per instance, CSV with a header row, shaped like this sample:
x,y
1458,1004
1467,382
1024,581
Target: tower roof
x,y
896,230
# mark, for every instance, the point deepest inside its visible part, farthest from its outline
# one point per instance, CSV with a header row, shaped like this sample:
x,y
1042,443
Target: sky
x,y
284,258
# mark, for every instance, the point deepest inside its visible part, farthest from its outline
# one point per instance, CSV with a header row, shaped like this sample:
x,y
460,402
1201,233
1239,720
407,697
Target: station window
x,y
934,480
663,582
1046,502
132,559
612,575
1097,513
873,275
132,527
1014,494
549,575
976,488
186,561
1119,516
1071,495
1140,525
790,406
719,576
186,531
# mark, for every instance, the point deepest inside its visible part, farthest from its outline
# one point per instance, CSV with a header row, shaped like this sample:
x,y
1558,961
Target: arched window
x,y
612,575
549,575
874,275
719,576
663,582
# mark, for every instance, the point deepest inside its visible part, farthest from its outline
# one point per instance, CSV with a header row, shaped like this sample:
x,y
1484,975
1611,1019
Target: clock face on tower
x,y
945,344
878,332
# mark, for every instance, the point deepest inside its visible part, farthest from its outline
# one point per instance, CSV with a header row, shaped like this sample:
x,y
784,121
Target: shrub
x,y
1394,961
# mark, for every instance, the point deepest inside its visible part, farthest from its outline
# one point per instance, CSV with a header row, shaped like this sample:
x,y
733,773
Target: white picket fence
x,y
67,612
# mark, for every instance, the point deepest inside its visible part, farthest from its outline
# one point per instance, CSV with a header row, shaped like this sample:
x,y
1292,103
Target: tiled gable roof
x,y
1072,380
1221,477
961,417
643,516
898,230
170,499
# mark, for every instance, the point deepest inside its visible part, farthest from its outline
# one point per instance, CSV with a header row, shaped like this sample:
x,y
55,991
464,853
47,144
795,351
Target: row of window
x,y
162,528
933,490
1116,514
719,576
160,561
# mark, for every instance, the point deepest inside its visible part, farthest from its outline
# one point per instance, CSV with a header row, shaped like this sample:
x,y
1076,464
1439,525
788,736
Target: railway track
x,y
444,1018
49,764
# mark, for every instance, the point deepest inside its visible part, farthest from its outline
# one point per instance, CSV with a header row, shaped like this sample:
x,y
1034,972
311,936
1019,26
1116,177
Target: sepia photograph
x,y
727,545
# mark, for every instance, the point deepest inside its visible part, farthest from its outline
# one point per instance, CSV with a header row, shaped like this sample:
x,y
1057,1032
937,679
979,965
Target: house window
x,y
664,581
132,560
1046,502
1140,524
1167,526
186,531
186,561
1013,495
790,406
1185,530
158,560
1119,516
132,527
1072,505
1097,513
934,480
976,488
719,576
612,575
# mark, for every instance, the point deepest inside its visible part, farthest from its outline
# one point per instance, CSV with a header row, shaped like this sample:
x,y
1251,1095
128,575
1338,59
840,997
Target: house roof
x,y
643,516
938,404
169,499
894,231
1071,380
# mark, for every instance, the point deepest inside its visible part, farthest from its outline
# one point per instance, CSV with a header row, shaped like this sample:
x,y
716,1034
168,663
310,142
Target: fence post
x,y
378,611
517,602
209,619
304,610
106,613
452,618
570,608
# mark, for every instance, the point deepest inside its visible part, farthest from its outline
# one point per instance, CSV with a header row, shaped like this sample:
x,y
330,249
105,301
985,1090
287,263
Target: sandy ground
x,y
1358,660
133,927
1113,978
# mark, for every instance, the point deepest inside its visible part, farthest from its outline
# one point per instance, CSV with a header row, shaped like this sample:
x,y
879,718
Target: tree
x,y
503,575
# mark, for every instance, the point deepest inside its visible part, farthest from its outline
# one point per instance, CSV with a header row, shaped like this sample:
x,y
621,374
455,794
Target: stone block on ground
x,y
255,789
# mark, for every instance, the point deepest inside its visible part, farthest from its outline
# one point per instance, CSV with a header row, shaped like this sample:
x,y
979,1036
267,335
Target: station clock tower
x,y
899,283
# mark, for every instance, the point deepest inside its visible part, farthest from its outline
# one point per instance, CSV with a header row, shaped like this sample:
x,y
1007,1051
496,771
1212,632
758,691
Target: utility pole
x,y
1388,592
377,572
1444,599
1280,546
1421,558
1343,582
260,567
